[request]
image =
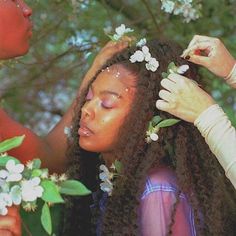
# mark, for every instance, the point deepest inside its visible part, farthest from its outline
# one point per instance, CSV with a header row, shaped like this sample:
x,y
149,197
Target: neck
x,y
109,158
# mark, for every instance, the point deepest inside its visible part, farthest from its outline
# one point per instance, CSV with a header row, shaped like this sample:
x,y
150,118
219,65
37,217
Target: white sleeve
x,y
231,78
220,135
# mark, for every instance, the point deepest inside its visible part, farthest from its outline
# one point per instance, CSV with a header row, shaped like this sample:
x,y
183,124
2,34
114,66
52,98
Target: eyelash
x,y
89,97
105,107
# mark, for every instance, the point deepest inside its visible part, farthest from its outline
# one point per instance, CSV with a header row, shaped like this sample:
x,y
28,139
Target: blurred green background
x,y
37,88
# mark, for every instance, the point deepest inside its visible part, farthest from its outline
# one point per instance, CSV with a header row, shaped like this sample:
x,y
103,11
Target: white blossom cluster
x,y
14,189
188,8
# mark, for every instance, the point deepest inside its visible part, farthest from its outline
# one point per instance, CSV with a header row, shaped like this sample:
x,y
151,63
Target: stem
x,y
26,228
150,12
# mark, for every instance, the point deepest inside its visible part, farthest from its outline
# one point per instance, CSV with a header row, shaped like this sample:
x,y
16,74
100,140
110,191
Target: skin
x,y
16,28
180,96
10,225
15,33
211,53
107,103
183,98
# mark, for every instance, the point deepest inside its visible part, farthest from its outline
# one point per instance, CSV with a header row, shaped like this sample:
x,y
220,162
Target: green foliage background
x,y
38,88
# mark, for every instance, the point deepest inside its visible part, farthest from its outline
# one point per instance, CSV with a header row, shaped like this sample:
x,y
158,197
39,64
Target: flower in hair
x,y
141,42
107,177
154,126
172,68
144,55
120,32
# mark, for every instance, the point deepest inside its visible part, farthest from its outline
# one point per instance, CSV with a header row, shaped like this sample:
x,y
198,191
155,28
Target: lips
x,y
84,131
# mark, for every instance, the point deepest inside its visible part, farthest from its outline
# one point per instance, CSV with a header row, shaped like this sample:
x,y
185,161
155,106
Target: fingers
x,y
165,95
168,85
200,60
5,233
163,105
199,38
205,46
11,222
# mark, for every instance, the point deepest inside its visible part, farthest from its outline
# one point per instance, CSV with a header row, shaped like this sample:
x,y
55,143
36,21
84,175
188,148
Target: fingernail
x,y
187,57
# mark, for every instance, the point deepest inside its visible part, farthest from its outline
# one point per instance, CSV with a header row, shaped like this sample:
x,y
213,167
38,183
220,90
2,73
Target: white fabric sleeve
x,y
231,78
220,135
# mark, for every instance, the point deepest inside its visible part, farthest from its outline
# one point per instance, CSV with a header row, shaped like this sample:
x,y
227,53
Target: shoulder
x,y
161,179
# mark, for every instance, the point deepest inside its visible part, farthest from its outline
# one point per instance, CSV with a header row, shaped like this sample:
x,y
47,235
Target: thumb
x,y
200,60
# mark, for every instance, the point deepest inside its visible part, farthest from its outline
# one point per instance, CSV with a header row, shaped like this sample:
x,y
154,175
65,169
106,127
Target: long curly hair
x,y
181,147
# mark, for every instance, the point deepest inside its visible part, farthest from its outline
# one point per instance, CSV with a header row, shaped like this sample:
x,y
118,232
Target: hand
x,y
210,53
109,50
10,225
183,98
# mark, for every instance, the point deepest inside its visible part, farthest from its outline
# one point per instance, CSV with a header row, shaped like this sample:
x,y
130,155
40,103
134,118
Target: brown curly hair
x,y
181,147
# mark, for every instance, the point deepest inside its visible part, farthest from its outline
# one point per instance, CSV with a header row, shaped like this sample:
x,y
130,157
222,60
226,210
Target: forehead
x,y
116,77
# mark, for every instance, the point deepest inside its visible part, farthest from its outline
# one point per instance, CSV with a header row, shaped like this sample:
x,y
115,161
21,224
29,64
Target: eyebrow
x,y
108,92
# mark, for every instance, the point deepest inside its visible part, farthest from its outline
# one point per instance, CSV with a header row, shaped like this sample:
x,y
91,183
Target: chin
x,y
89,146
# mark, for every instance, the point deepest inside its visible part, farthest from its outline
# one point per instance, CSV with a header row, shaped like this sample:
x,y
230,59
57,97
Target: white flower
x,y
182,69
67,131
141,55
167,6
31,189
105,174
107,186
141,42
15,194
5,201
13,172
120,31
152,64
154,137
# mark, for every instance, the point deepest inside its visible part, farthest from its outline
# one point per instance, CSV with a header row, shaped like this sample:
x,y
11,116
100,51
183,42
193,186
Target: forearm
x,y
220,135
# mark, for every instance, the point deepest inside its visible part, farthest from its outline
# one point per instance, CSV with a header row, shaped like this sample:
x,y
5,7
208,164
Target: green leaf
x,y
46,219
74,188
51,192
168,122
156,120
11,143
164,75
36,173
118,166
111,38
36,164
171,66
5,159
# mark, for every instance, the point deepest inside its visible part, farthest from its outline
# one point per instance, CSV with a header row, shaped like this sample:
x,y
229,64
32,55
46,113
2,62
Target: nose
x,y
27,11
88,111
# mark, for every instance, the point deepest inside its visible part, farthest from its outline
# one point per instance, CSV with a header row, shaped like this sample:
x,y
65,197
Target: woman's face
x,y
15,28
107,103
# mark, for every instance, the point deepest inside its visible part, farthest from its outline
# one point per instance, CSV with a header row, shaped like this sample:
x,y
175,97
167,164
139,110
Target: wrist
x,y
232,66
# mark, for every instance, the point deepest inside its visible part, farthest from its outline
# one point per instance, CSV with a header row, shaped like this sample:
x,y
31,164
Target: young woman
x,y
171,186
15,34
